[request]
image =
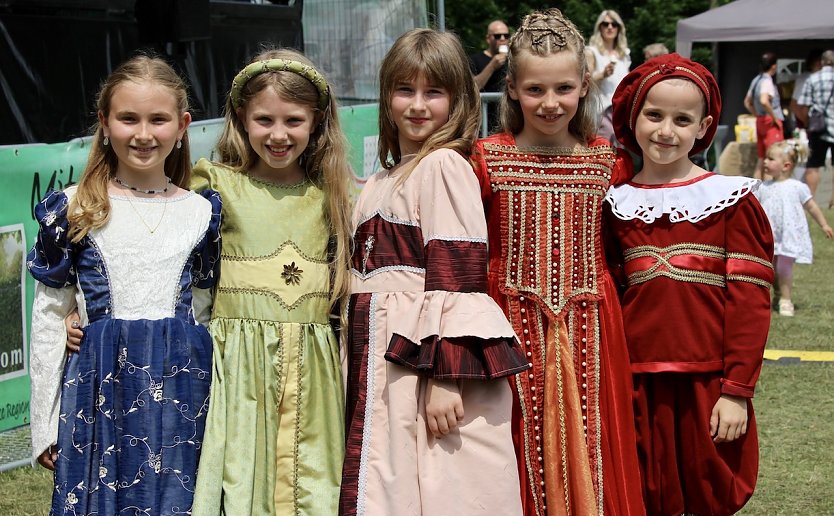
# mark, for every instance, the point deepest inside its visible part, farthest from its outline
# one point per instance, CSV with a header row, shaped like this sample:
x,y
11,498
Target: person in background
x,y
609,60
785,201
654,50
762,100
817,93
490,66
813,62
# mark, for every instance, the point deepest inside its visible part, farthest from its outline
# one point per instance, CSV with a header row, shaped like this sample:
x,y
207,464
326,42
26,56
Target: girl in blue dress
x,y
122,420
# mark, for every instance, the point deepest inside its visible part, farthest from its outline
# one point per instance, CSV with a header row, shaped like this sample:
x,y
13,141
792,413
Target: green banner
x,y
28,172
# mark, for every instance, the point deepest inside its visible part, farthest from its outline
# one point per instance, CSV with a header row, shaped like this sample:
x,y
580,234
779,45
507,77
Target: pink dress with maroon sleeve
x,y
419,309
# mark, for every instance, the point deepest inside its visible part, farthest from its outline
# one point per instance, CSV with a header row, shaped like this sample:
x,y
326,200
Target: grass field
x,y
793,406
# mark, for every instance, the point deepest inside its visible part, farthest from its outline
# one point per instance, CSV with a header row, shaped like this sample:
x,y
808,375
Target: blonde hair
x,y
793,151
89,208
324,160
440,58
654,50
544,33
621,44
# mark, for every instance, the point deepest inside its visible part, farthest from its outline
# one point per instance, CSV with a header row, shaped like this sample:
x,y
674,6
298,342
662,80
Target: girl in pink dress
x,y
427,350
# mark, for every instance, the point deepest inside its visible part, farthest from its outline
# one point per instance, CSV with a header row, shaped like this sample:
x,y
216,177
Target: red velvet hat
x,y
632,91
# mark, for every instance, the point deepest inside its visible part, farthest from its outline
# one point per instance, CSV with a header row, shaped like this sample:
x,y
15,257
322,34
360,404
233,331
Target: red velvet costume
x,y
695,260
572,421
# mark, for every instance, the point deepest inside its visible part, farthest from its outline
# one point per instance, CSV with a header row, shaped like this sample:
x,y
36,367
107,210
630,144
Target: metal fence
x,y
349,38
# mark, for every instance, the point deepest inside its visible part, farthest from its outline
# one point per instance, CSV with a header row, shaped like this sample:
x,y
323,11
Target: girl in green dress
x,y
274,440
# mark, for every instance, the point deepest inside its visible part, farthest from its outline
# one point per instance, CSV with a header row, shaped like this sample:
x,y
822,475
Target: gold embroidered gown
x,y
573,422
274,440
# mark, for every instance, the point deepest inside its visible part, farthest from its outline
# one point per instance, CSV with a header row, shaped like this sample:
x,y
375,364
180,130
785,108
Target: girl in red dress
x,y
543,181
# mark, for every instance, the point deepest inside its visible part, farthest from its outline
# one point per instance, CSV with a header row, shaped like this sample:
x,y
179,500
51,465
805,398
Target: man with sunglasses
x,y
489,66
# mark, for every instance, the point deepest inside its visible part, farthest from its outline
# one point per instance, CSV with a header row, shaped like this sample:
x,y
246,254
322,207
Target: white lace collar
x,y
690,201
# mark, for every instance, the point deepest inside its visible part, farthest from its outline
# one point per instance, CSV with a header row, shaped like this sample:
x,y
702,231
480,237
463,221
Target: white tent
x,y
758,20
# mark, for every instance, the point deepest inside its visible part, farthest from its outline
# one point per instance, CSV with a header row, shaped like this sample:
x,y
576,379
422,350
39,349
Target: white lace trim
x,y
389,268
690,202
477,240
367,425
390,218
130,198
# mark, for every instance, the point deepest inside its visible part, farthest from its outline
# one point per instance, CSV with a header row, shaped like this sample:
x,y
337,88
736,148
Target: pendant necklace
x,y
152,230
141,218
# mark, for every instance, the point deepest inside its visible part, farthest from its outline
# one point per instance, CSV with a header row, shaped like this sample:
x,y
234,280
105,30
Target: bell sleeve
x,y
749,242
51,263
455,330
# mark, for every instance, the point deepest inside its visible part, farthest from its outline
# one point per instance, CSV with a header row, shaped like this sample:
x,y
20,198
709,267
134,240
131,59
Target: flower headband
x,y
280,65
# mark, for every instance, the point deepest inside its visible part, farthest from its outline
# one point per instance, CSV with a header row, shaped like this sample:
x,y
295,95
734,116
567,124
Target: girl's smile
x,y
279,132
548,89
418,109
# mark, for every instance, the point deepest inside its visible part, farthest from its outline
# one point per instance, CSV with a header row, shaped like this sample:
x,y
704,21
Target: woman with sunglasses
x,y
609,61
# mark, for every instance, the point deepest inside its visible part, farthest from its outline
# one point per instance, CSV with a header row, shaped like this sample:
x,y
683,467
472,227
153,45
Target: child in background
x,y
694,250
783,199
543,180
125,246
428,410
275,433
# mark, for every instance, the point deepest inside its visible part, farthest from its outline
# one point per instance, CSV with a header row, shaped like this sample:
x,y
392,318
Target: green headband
x,y
280,65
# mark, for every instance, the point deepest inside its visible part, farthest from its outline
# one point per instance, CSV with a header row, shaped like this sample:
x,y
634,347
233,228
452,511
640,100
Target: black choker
x,y
149,192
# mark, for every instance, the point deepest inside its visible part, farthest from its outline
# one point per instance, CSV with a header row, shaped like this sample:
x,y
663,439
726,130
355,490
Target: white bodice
x,y
145,268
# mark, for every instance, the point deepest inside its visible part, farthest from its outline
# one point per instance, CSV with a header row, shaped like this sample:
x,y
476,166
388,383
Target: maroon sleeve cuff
x,y
459,357
732,388
456,266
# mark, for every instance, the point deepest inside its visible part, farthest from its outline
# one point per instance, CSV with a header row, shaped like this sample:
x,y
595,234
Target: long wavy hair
x,y
545,33
89,209
324,160
440,58
620,45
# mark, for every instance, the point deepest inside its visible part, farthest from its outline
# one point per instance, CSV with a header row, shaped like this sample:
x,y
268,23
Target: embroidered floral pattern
x,y
292,274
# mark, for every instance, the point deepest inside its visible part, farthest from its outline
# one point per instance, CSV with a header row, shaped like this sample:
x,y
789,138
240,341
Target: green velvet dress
x,y
274,441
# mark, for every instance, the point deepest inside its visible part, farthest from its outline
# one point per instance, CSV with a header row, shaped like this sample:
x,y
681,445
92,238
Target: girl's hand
x,y
444,406
829,233
728,421
47,458
74,332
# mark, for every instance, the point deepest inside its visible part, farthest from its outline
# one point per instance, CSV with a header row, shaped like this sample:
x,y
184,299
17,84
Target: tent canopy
x,y
758,20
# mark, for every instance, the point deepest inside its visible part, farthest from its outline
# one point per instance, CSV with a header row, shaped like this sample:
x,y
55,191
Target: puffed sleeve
x,y
206,265
51,259
749,242
202,177
623,169
51,263
481,172
455,330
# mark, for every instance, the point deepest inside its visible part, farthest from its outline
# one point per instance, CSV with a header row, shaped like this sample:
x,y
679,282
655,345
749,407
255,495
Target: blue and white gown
x,y
127,412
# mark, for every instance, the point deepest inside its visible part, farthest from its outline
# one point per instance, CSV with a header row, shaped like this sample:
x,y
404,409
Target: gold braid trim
x,y
751,258
273,254
750,279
